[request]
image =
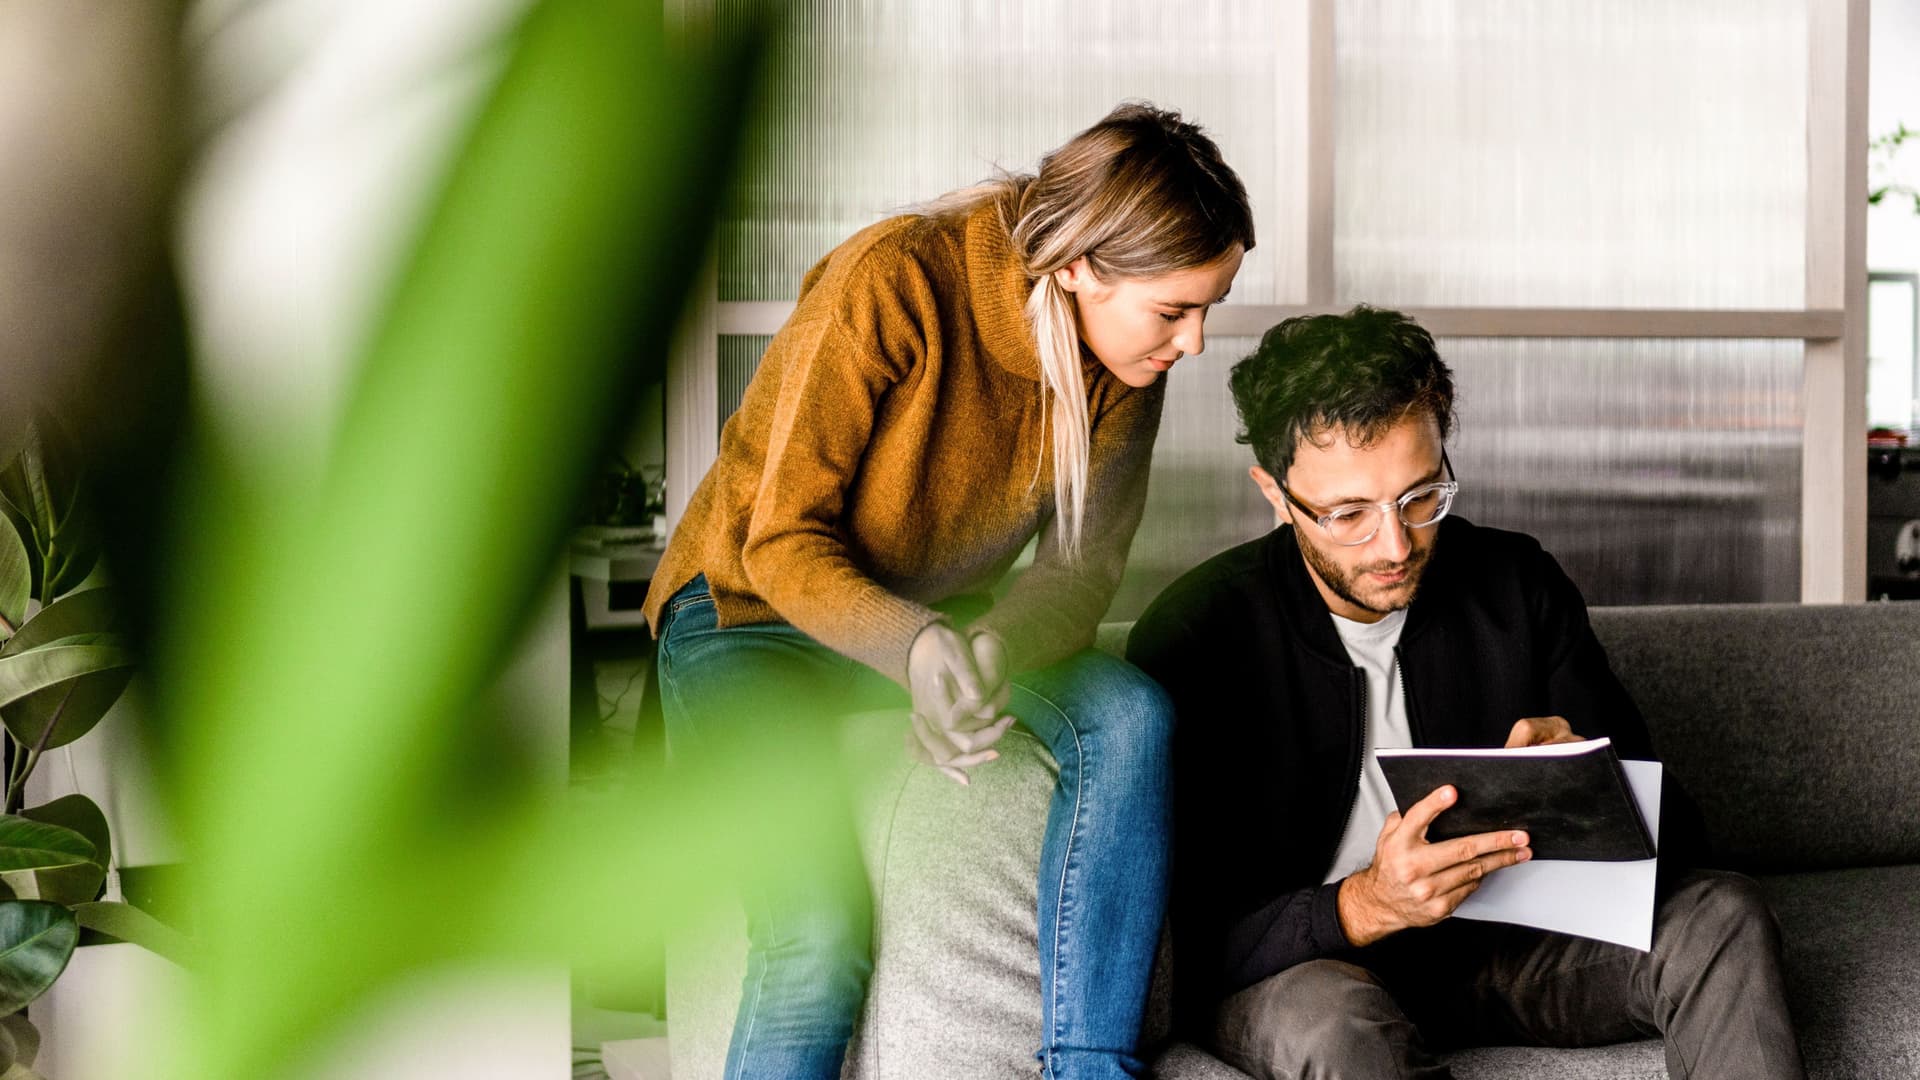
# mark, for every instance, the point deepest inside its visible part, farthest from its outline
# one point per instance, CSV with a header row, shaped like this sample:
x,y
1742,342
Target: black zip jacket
x,y
1271,722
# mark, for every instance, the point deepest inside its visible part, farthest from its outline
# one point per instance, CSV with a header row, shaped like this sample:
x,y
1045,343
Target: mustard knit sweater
x,y
884,459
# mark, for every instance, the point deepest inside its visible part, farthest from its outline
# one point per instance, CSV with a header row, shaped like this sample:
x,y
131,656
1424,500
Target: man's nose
x,y
1394,540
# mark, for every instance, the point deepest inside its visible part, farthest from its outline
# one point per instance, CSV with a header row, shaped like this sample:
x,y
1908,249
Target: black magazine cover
x,y
1571,798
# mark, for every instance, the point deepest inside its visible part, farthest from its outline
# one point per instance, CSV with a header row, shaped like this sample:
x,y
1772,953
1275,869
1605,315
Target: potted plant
x,y
64,661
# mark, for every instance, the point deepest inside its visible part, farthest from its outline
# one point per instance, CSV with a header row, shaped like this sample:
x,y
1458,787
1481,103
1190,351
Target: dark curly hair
x,y
1362,372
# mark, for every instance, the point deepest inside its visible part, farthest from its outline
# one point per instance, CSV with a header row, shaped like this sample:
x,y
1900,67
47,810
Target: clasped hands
x,y
960,692
1414,883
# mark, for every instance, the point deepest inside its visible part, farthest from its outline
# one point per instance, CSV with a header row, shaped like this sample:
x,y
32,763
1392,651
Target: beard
x,y
1349,585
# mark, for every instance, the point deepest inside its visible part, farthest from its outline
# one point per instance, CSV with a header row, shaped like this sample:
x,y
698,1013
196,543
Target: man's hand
x,y
1541,730
1414,883
959,689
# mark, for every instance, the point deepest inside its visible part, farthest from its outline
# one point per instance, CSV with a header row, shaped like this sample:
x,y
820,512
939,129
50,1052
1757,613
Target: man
x,y
1311,920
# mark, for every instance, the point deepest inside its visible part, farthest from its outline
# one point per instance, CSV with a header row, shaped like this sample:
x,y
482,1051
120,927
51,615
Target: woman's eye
x,y
1172,316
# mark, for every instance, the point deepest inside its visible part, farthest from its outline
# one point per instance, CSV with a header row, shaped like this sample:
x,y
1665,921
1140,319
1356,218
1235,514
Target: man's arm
x,y
1582,688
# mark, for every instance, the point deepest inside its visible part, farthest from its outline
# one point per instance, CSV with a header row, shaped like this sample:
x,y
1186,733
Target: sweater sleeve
x,y
795,555
1053,610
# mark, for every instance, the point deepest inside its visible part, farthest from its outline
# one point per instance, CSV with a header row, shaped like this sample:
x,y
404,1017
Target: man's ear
x,y
1269,487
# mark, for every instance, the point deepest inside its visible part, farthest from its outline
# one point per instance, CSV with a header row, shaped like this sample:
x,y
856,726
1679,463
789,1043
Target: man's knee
x,y
1716,917
1320,1018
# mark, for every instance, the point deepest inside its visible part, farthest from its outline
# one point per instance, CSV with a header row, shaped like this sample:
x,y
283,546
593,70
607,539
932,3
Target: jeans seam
x,y
1066,869
753,1014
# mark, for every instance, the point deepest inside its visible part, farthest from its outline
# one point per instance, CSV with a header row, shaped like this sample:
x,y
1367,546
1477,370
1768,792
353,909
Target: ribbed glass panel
x,y
879,105
739,358
1656,472
1200,499
1632,153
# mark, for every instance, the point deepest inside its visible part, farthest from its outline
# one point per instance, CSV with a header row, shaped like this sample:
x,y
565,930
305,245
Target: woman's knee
x,y
1125,707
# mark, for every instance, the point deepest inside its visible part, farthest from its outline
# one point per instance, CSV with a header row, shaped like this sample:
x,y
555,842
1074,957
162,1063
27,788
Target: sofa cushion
x,y
1853,964
1742,701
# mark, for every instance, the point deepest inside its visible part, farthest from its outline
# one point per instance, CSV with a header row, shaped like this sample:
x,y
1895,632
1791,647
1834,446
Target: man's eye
x,y
1346,513
1171,316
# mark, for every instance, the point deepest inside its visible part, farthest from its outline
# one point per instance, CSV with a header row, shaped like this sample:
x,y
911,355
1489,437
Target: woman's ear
x,y
1076,276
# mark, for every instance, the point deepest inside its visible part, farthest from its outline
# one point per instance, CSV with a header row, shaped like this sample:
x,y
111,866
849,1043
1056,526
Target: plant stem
x,y
16,788
17,756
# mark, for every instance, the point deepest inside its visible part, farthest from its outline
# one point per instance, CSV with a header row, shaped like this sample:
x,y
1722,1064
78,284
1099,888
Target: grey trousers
x,y
1711,989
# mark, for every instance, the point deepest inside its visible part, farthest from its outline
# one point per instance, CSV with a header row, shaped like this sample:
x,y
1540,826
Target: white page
x,y
1607,901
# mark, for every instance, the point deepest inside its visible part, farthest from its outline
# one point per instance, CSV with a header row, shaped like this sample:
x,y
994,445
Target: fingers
x,y
969,694
1413,824
1433,858
1472,871
928,746
989,657
1540,731
980,738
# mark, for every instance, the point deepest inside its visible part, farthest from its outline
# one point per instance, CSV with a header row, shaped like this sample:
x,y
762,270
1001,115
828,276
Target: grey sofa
x,y
1796,728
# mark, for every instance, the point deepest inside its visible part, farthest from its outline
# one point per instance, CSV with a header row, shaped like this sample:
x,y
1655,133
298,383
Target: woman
x,y
952,383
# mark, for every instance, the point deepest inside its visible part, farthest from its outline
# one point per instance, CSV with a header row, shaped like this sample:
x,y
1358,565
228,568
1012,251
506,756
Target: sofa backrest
x,y
1795,727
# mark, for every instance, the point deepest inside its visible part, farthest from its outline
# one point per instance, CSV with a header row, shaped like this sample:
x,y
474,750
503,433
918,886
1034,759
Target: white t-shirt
x,y
1371,647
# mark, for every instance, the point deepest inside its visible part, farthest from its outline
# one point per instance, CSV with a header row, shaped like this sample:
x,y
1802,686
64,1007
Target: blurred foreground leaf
x,y
320,653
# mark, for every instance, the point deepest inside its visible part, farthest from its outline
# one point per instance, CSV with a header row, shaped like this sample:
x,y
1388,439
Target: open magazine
x,y
1607,899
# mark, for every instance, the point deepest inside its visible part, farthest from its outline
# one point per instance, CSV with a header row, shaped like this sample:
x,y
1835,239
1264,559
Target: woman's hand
x,y
960,689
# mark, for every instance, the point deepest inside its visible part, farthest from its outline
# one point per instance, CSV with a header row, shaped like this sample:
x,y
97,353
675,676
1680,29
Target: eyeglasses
x,y
1353,524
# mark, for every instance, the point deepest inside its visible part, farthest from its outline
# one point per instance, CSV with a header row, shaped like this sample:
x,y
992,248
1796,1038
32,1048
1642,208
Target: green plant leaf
x,y
88,611
35,845
36,941
23,529
50,468
22,1039
105,637
52,695
74,884
124,922
16,580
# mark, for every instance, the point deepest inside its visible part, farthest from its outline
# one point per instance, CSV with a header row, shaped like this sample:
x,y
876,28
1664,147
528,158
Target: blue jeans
x,y
1103,864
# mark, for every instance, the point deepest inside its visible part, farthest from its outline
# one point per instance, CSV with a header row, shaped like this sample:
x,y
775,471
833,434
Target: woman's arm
x,y
795,556
1054,608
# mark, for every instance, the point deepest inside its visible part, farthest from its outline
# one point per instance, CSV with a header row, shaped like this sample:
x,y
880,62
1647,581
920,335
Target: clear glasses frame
x,y
1335,517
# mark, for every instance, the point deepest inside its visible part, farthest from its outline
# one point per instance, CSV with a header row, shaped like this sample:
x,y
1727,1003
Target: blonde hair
x,y
1140,194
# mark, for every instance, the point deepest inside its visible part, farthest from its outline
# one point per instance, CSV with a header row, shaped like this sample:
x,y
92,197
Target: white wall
x,y
1893,227
1893,97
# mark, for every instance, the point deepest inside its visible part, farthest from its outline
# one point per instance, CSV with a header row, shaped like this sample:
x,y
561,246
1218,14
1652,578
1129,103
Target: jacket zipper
x,y
1406,699
1353,797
